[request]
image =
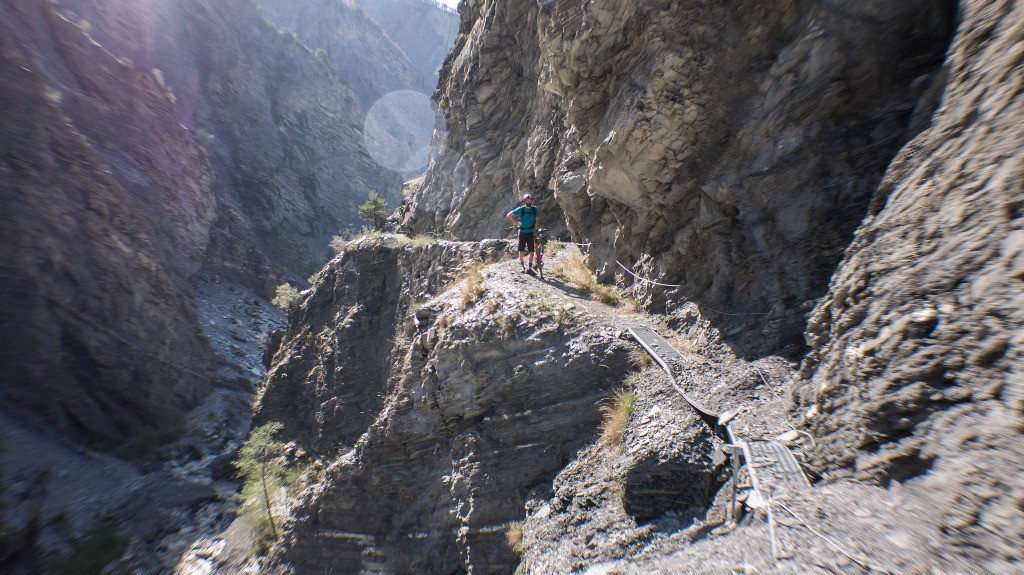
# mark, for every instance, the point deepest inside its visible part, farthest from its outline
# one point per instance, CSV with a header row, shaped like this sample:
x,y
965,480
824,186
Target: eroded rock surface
x,y
487,398
915,374
731,150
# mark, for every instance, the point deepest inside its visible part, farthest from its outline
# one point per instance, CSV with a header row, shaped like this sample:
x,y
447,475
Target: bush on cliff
x,y
285,296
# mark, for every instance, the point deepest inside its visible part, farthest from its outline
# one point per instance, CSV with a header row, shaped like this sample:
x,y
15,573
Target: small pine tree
x,y
374,210
260,463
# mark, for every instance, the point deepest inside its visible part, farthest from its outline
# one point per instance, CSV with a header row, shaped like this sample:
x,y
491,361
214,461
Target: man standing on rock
x,y
527,216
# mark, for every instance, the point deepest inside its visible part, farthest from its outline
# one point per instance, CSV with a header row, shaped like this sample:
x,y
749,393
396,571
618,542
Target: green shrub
x,y
374,210
287,294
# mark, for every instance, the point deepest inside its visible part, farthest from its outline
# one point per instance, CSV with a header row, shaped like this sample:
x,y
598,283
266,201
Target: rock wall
x,y
443,415
730,149
347,36
283,131
197,136
106,208
425,30
915,372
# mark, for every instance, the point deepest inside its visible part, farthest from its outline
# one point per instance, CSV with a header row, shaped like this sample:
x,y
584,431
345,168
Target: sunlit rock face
x,y
434,413
106,208
728,150
915,374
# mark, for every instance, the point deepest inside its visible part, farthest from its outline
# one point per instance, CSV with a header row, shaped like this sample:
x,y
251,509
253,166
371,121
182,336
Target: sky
x,y
452,3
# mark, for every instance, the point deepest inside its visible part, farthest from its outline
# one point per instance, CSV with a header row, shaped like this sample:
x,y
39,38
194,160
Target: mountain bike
x,y
540,239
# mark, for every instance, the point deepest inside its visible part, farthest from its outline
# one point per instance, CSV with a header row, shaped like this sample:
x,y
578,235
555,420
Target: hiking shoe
x,y
531,272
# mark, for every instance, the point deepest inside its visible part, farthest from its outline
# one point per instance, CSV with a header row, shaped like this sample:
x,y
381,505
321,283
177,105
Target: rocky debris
x,y
239,325
613,500
914,376
844,527
731,151
57,492
665,489
667,463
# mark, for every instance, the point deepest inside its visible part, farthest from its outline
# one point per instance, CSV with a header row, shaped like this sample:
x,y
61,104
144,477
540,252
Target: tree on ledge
x,y
374,210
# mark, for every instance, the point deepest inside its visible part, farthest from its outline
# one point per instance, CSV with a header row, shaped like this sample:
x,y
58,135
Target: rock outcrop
x,y
444,415
915,372
729,150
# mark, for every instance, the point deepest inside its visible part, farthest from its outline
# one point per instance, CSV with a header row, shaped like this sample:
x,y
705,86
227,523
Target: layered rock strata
x,y
730,149
463,414
915,373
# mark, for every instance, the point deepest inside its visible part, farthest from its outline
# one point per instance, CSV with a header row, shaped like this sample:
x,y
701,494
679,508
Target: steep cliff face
x,y
444,415
106,211
348,36
198,136
282,129
915,373
731,150
424,29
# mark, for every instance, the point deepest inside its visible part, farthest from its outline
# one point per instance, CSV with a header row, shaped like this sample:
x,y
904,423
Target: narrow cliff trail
x,y
600,516
458,403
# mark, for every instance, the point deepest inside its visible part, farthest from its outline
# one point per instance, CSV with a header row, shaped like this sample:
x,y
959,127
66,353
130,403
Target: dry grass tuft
x,y
632,379
573,270
605,294
640,359
514,537
423,240
493,304
507,323
616,414
474,287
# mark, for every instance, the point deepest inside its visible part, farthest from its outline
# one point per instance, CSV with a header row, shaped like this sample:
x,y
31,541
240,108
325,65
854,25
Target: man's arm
x,y
511,218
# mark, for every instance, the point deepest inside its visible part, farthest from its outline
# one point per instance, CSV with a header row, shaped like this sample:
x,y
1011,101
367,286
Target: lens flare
x,y
397,131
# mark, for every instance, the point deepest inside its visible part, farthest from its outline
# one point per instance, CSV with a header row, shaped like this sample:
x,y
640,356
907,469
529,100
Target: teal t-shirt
x,y
527,218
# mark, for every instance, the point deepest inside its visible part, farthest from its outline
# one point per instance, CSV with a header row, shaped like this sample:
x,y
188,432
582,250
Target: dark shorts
x,y
526,242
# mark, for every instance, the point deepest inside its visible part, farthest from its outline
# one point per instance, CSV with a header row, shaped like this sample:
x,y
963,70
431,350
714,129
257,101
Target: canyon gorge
x,y
819,204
